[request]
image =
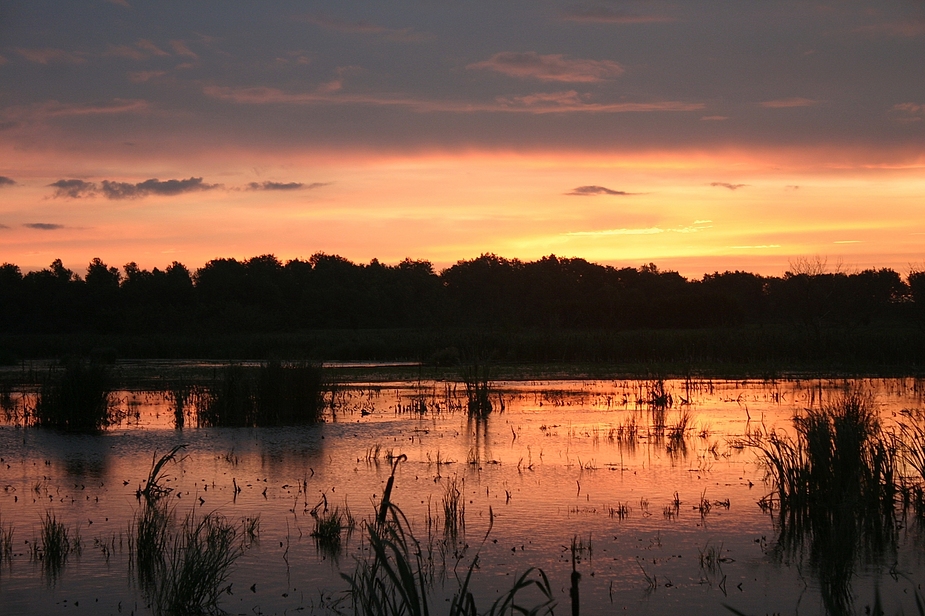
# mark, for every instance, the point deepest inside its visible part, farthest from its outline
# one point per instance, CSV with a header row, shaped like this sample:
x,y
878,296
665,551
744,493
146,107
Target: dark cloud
x,y
285,185
606,15
591,191
125,190
43,226
728,185
73,189
2,226
5,181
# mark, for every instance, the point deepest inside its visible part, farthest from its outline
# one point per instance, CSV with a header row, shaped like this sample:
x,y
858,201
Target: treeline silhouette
x,y
263,294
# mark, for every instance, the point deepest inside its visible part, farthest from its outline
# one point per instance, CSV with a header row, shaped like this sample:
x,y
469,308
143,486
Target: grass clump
x,y
53,546
394,580
477,379
76,399
197,564
836,487
277,394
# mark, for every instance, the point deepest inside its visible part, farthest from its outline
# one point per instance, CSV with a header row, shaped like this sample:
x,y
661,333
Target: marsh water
x,y
664,505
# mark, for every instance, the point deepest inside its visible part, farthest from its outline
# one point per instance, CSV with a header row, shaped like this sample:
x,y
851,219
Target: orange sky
x,y
624,133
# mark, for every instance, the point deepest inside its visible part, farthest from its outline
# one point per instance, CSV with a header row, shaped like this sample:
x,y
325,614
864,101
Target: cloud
x,y
150,47
593,191
398,35
49,55
76,189
180,48
285,185
908,112
606,15
143,76
728,185
541,103
2,226
638,231
552,67
53,109
786,103
125,190
43,226
909,28
5,181
73,189
714,118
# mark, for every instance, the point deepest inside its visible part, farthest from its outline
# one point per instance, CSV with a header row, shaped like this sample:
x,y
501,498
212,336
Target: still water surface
x,y
557,463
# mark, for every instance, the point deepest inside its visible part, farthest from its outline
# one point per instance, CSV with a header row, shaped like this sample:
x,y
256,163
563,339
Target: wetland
x,y
391,491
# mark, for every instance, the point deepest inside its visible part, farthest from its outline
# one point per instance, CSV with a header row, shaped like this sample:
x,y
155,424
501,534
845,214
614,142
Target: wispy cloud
x,y
141,50
50,55
606,15
181,49
76,189
903,29
728,185
285,185
593,191
786,103
638,231
756,246
2,226
551,67
553,102
908,112
398,35
5,181
43,226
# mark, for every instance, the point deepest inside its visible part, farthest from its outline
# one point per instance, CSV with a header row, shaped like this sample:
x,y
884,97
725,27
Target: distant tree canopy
x,y
327,291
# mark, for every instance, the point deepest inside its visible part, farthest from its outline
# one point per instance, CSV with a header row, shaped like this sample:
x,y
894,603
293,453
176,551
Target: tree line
x,y
264,294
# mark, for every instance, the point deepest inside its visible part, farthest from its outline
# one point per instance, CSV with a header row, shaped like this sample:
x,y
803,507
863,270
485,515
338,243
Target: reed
x,y
197,564
53,546
454,509
6,542
476,377
76,399
276,394
329,527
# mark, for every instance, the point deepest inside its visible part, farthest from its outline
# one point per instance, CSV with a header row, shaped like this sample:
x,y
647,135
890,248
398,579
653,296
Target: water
x,y
663,525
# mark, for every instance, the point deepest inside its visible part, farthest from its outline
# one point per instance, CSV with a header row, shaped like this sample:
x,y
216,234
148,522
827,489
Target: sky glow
x,y
704,135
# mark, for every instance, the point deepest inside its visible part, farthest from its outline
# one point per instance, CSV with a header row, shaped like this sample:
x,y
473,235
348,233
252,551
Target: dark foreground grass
x,y
395,578
182,568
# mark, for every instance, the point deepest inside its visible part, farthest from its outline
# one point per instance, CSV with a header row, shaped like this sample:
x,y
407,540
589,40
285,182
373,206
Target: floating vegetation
x,y
76,399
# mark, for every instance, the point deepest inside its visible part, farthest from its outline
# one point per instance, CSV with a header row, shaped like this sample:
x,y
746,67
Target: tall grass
x,y
476,377
836,487
394,580
53,545
197,565
278,394
76,399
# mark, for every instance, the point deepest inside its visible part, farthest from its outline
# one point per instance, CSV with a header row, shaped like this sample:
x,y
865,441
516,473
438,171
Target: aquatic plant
x,y
53,545
76,399
329,526
836,487
394,579
6,542
454,509
196,566
279,394
476,377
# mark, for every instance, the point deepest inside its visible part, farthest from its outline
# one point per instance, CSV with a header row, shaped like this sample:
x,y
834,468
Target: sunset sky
x,y
701,135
